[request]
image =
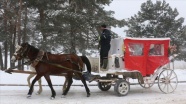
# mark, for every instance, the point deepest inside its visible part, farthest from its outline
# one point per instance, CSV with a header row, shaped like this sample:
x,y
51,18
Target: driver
x,y
104,43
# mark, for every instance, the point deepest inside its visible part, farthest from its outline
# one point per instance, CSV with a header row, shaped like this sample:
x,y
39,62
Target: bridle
x,y
25,52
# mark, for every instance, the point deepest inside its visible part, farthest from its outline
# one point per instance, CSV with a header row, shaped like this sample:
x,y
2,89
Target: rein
x,y
39,59
9,70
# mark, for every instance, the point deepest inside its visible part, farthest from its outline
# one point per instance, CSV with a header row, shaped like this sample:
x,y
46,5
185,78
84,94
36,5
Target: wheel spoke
x,y
146,84
164,86
167,88
163,75
173,78
162,80
120,87
171,86
161,83
123,85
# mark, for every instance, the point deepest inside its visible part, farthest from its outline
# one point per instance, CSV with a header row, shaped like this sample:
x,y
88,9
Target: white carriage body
x,y
116,50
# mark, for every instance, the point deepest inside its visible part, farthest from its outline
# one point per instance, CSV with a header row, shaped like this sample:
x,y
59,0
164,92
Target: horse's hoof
x,y
28,96
88,95
37,93
63,96
52,98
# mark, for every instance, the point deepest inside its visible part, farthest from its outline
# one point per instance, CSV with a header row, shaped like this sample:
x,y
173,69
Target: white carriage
x,y
146,60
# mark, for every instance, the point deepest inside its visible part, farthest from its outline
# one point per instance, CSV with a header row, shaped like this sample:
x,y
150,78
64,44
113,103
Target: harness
x,y
41,54
38,58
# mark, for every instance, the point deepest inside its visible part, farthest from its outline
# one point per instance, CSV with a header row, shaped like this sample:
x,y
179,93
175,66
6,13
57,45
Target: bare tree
x,y
1,59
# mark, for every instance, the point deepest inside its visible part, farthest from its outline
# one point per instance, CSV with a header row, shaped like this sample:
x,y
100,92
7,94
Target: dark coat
x,y
104,42
105,38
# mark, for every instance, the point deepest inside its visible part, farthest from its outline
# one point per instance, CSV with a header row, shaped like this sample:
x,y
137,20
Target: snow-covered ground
x,y
77,94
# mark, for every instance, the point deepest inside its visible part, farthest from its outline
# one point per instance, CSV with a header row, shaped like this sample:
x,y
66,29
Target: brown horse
x,y
47,64
86,74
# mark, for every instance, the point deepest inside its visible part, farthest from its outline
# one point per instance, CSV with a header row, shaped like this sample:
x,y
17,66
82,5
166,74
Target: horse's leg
x,y
47,77
39,82
69,83
28,79
64,85
84,83
32,85
40,87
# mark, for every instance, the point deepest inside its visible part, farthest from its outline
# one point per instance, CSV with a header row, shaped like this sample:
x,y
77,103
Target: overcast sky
x,y
126,8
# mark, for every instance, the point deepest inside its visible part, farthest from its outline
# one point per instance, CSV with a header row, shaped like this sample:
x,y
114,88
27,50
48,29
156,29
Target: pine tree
x,y
157,20
59,26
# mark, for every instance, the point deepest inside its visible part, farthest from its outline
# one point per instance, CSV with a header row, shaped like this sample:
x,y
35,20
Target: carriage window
x,y
136,49
156,49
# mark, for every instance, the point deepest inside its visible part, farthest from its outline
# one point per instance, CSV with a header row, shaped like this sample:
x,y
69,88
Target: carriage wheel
x,y
167,81
146,84
104,86
121,87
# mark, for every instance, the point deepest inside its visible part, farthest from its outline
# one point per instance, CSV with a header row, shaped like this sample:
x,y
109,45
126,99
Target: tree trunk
x,y
1,59
12,42
25,28
19,31
11,51
6,55
5,32
72,40
42,25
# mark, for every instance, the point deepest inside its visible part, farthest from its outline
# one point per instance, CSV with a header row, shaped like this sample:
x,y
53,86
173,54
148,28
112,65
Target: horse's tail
x,y
87,62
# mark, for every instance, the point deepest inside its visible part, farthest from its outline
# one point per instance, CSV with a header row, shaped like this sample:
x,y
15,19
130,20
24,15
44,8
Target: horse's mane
x,y
48,52
33,49
36,50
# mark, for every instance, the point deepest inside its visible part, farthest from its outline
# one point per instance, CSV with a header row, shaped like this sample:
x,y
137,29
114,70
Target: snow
x,y
77,94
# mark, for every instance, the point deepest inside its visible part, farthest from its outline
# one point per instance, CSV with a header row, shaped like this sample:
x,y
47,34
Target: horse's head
x,y
20,52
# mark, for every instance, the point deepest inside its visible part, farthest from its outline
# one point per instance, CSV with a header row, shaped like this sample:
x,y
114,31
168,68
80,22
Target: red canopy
x,y
146,55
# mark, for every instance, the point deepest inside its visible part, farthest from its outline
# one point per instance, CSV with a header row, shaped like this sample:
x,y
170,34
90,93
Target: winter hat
x,y
104,26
